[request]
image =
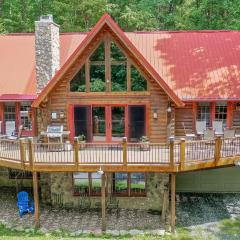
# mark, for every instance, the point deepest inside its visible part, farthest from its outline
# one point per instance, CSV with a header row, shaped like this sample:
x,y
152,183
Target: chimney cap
x,y
46,18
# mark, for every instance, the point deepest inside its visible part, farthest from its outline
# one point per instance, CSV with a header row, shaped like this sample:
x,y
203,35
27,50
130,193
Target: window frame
x,y
221,106
128,192
108,63
201,106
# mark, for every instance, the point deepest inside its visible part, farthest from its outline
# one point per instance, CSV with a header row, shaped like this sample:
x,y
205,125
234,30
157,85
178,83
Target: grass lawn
x,y
6,234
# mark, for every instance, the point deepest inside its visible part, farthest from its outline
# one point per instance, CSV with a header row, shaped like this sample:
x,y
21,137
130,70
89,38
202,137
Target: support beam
x,y
173,202
36,200
103,199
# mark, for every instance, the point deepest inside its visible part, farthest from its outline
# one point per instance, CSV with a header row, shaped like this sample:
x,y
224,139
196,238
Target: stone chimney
x,y
47,48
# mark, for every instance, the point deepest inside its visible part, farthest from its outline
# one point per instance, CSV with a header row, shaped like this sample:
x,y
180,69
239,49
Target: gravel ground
x,y
201,213
204,213
76,220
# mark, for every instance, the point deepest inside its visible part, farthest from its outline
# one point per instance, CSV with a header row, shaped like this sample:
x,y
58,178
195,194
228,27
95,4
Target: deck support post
x,y
22,153
30,152
36,200
124,146
76,157
217,150
173,202
171,154
103,199
182,153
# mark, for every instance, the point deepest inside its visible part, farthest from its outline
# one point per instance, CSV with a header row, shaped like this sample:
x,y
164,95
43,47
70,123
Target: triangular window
x,y
78,83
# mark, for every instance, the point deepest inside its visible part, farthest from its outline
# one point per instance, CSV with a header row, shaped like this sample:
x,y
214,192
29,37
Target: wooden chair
x,y
84,202
209,134
188,134
57,200
229,133
201,127
113,204
218,127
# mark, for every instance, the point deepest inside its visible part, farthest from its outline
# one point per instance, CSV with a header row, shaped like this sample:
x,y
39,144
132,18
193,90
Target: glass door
x,y
118,130
99,123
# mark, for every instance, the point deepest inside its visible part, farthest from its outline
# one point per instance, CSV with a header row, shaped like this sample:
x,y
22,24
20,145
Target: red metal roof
x,y
17,63
196,65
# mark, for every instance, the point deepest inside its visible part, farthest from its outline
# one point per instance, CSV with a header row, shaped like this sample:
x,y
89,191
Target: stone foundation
x,y
6,182
157,183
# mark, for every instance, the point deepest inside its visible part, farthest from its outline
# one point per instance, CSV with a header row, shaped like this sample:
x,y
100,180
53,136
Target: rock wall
x,y
47,50
62,184
6,182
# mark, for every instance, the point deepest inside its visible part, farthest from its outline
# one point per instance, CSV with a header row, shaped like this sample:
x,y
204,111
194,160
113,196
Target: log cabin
x,y
107,85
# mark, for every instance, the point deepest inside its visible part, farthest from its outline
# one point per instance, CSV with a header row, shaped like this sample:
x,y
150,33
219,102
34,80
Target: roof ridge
x,y
135,32
183,31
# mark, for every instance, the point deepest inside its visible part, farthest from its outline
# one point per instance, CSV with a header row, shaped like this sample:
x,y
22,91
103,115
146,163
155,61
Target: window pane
x,y
99,54
97,78
99,123
120,183
96,184
78,83
116,53
138,82
9,112
25,115
119,77
81,183
203,113
138,185
221,113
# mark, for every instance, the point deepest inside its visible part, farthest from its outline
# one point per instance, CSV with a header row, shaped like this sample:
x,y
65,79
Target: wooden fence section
x,y
170,157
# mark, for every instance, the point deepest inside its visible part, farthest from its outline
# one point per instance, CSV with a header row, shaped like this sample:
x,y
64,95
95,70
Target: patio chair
x,y
188,134
218,127
209,134
25,205
201,127
229,133
16,135
57,200
84,202
113,204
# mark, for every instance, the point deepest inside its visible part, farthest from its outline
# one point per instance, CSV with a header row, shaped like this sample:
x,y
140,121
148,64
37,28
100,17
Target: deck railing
x,y
172,156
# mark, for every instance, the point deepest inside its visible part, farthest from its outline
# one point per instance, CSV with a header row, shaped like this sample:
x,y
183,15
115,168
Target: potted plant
x,y
82,141
144,143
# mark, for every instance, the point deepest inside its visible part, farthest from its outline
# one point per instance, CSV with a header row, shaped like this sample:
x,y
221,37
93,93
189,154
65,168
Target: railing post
x,y
217,150
124,146
76,156
30,152
182,153
171,139
22,153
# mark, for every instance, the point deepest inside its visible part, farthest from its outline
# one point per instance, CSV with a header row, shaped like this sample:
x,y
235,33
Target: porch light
x,y
100,171
169,109
61,114
155,114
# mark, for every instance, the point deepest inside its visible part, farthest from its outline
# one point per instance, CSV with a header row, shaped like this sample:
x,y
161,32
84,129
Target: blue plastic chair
x,y
25,205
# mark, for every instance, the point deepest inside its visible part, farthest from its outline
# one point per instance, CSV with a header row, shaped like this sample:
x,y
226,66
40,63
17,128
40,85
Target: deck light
x,y
100,171
237,163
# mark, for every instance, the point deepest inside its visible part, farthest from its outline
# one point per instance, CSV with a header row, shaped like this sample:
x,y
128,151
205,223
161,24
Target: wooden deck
x,y
171,157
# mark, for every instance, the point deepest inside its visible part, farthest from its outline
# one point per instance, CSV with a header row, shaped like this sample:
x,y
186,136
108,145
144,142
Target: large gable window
x,y
108,69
